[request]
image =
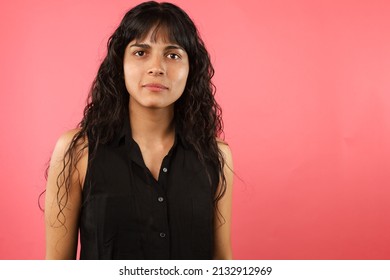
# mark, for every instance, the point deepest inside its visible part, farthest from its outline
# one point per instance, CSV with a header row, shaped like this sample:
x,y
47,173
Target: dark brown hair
x,y
196,112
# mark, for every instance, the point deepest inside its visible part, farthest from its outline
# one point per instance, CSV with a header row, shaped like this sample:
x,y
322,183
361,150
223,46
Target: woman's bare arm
x,y
222,246
62,228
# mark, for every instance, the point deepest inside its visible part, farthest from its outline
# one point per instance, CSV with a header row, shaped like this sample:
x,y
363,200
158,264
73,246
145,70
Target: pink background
x,y
305,88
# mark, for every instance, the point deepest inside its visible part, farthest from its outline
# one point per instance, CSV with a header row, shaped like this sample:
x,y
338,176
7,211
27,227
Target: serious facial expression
x,y
155,71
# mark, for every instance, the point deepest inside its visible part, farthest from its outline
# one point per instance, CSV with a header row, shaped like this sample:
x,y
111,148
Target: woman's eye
x,y
139,53
173,56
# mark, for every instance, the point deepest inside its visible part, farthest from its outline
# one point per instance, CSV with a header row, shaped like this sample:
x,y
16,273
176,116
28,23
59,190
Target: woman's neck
x,y
149,126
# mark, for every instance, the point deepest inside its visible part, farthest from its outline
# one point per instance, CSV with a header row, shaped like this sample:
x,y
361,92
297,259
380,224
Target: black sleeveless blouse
x,y
127,214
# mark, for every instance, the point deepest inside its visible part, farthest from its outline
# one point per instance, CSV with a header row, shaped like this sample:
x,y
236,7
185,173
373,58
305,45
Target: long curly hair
x,y
196,112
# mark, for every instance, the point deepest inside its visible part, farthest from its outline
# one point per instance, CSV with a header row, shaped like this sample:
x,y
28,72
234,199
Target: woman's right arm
x,y
62,227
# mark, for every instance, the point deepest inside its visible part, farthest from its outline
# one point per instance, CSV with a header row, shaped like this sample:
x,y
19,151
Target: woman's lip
x,y
155,87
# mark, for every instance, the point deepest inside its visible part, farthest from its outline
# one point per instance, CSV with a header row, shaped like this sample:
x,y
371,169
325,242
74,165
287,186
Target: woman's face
x,y
155,71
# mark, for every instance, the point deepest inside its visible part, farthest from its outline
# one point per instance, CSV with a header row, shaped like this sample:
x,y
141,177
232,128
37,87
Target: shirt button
x,y
160,199
165,170
162,234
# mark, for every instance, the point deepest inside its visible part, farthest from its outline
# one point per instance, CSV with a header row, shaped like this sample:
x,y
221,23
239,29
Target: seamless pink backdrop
x,y
305,91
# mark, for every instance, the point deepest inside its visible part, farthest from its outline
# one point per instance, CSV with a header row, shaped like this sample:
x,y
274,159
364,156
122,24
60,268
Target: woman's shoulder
x,y
69,136
223,146
79,146
66,138
65,141
221,141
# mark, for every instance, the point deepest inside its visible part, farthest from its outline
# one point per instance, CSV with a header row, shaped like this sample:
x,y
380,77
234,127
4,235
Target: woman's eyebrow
x,y
146,46
174,47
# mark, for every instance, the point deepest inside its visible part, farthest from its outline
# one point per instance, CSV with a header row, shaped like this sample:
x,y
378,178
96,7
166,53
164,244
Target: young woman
x,y
144,175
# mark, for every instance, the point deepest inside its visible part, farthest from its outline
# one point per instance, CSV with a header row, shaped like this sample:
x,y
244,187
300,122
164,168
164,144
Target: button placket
x,y
162,233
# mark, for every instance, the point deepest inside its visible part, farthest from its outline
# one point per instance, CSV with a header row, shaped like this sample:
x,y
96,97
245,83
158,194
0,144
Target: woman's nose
x,y
157,67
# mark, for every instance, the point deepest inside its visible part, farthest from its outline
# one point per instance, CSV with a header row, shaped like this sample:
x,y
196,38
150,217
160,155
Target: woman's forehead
x,y
158,33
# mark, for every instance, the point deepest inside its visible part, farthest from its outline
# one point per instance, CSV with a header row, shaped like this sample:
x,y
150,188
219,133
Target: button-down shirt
x,y
128,214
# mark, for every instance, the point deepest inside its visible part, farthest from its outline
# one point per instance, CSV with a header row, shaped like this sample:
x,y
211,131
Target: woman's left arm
x,y
222,218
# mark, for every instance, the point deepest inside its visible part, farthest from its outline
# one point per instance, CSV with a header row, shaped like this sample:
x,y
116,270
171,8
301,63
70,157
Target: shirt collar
x,y
125,133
